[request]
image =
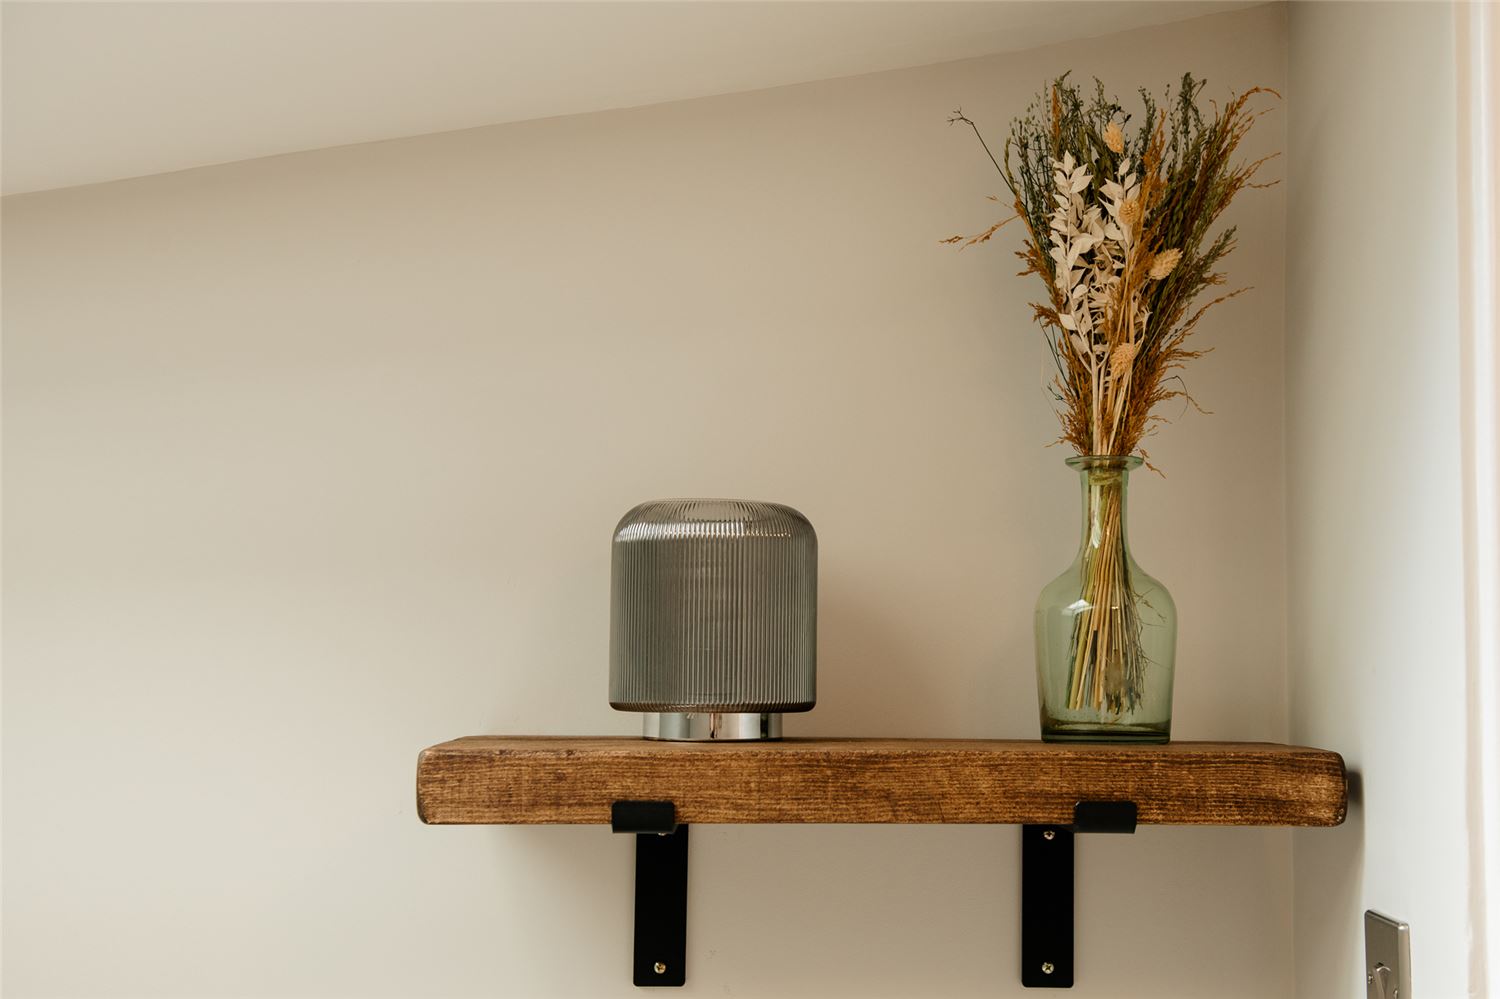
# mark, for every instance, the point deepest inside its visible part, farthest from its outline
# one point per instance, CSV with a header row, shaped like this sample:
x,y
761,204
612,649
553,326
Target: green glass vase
x,y
1106,632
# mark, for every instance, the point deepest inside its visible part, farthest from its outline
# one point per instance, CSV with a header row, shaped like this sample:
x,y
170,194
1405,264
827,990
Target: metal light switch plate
x,y
1387,957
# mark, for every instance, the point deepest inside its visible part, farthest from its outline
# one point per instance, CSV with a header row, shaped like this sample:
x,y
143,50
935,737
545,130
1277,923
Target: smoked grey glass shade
x,y
714,608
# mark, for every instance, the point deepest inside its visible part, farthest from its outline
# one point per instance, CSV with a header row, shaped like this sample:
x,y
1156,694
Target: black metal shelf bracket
x,y
1047,890
660,953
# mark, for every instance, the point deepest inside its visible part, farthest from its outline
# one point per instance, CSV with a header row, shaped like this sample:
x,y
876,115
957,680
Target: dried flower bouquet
x,y
1118,228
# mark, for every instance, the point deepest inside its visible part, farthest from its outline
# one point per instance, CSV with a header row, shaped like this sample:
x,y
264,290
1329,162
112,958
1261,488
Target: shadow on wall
x,y
943,662
867,683
1328,941
579,885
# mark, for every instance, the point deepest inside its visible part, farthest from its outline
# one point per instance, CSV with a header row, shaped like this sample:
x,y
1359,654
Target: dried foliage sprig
x,y
1119,225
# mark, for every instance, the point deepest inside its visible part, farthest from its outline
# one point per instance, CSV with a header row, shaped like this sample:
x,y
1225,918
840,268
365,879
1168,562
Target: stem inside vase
x,y
1109,660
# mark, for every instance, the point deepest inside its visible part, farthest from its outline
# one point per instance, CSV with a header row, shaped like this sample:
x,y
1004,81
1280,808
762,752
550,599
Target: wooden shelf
x,y
528,780
656,790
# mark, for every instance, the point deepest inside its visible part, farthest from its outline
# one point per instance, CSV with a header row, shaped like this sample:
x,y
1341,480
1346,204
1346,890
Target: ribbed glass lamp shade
x,y
714,607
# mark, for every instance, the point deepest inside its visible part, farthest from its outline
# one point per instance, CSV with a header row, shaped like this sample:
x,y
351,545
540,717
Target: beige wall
x,y
1376,635
312,461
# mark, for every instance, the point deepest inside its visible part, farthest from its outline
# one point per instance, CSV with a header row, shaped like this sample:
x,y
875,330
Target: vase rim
x,y
1128,462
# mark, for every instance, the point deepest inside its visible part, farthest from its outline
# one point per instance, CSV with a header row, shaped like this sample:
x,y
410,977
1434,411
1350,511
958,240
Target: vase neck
x,y
1105,487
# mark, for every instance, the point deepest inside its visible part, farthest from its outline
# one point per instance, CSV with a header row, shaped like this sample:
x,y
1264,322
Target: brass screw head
x,y
661,969
1049,834
1047,968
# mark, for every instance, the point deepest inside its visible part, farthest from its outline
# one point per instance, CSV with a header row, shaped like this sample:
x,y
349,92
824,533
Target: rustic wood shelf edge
x,y
561,780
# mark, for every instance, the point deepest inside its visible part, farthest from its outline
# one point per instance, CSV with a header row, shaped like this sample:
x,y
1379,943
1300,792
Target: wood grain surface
x,y
530,780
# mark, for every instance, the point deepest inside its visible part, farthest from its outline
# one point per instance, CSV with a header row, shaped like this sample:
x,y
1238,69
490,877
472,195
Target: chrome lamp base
x,y
711,726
